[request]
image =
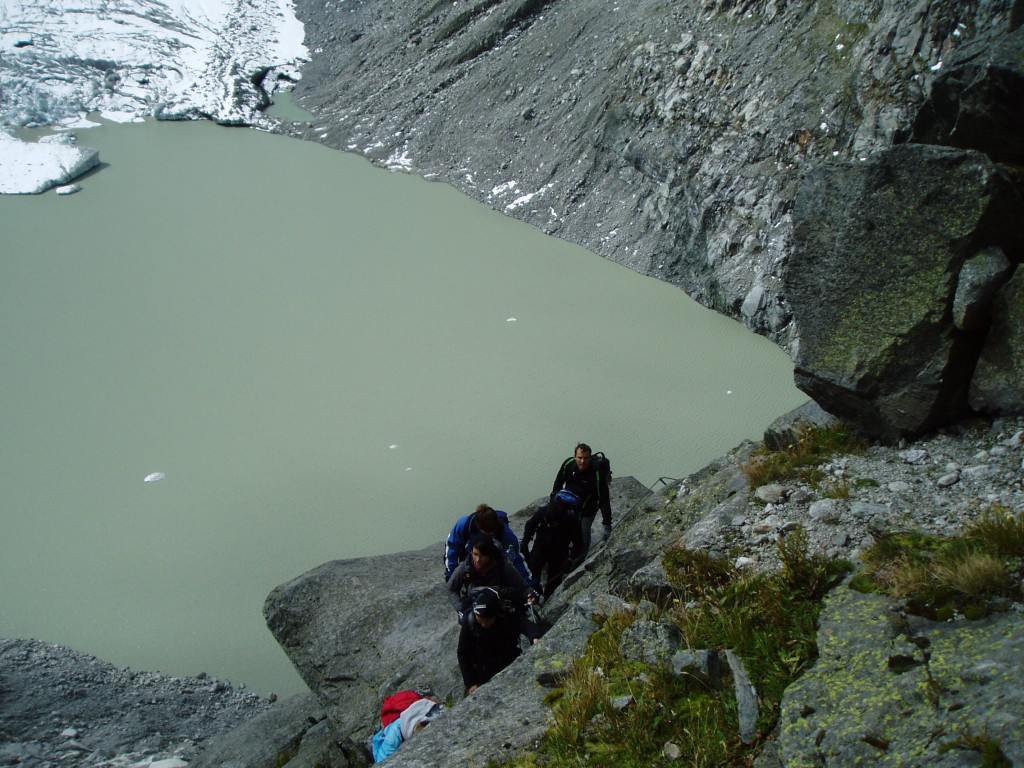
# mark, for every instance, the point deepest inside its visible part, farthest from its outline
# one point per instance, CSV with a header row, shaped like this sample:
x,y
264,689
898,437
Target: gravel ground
x,y
59,707
934,485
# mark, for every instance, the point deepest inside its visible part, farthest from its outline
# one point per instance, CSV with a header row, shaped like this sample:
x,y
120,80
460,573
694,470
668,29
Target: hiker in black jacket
x,y
588,478
488,640
487,567
553,539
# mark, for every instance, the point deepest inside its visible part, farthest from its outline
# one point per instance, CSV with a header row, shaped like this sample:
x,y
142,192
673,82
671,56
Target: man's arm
x,y
455,582
604,501
560,477
455,547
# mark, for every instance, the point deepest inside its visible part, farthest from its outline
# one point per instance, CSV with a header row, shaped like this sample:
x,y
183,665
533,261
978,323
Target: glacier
x,y
62,60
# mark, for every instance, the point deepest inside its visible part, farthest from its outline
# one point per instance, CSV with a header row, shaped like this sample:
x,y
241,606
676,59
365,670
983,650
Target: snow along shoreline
x,y
62,60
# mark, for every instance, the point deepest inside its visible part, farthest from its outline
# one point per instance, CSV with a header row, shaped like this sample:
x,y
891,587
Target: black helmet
x,y
487,603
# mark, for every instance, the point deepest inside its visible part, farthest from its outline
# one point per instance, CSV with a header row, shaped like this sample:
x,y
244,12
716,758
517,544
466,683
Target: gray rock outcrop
x,y
875,693
998,382
977,100
786,430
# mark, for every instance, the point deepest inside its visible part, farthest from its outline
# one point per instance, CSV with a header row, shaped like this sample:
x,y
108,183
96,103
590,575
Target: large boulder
x,y
998,383
357,630
878,254
786,430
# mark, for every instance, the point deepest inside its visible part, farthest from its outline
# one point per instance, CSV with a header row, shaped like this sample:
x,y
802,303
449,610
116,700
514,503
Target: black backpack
x,y
601,463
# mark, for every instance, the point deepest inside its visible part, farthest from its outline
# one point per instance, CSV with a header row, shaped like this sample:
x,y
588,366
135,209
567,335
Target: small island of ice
x,y
27,169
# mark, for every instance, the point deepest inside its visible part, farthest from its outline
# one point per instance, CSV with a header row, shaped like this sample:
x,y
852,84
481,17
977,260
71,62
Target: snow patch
x,y
399,162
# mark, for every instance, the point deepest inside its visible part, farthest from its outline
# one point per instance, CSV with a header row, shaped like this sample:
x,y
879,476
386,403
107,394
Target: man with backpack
x,y
557,541
587,476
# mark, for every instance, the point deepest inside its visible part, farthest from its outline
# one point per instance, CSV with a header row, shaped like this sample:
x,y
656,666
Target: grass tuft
x,y
815,446
769,620
940,577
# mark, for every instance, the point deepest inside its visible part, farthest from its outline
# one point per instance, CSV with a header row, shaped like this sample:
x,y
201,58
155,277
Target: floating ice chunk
x,y
28,169
408,469
510,319
153,477
728,391
393,446
120,116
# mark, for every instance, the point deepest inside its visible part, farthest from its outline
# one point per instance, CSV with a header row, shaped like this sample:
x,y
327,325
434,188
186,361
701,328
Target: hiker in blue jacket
x,y
485,521
588,477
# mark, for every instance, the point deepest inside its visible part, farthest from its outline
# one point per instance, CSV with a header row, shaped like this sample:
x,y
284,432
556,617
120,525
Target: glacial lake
x,y
309,358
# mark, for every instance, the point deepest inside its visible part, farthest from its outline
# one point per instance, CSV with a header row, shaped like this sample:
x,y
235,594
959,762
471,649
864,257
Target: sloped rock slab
x,y
871,697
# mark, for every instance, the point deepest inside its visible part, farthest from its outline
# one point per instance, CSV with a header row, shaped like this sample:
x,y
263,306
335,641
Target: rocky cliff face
x,y
675,139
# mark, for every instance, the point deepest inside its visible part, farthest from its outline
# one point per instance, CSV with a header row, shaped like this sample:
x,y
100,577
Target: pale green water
x,y
261,319
283,108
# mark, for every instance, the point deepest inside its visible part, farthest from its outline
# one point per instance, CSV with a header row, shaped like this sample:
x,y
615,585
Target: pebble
x,y
978,471
773,493
915,456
